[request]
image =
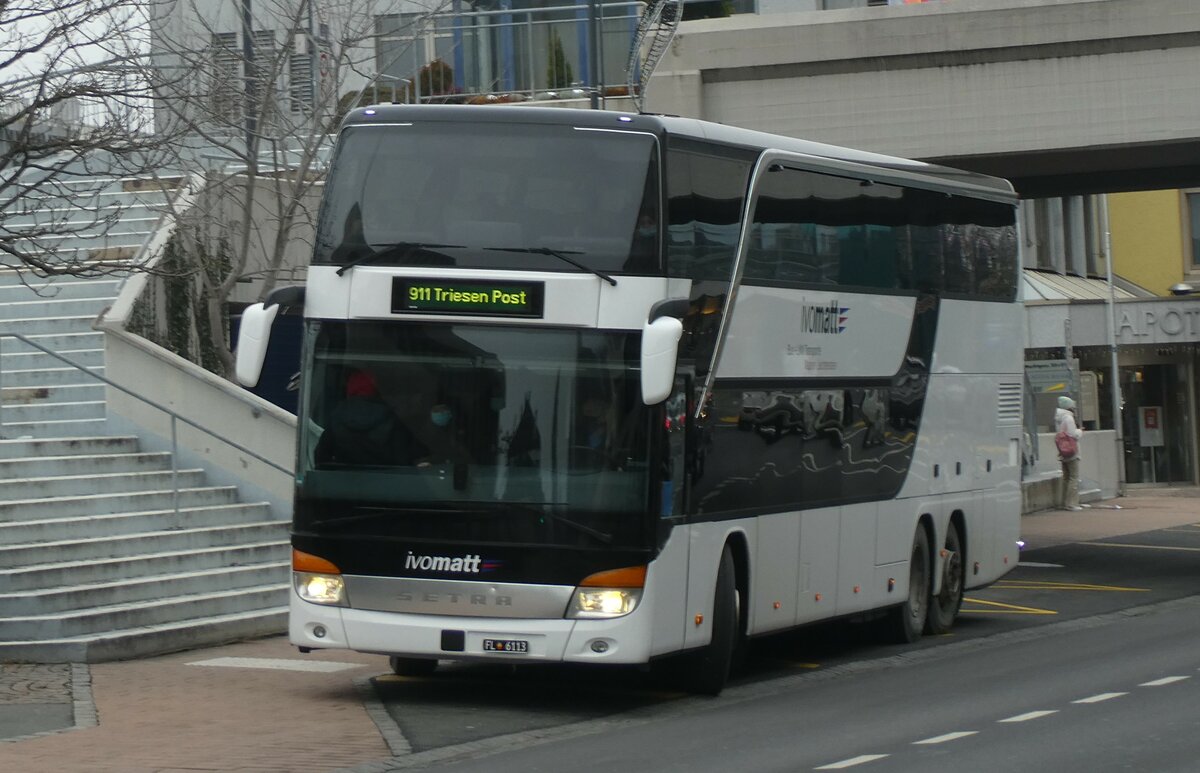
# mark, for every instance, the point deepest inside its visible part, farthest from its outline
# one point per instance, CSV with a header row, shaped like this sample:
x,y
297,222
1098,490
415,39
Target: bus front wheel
x,y
907,621
412,666
707,671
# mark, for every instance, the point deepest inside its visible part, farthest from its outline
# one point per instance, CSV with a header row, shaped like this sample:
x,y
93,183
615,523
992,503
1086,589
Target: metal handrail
x,y
175,417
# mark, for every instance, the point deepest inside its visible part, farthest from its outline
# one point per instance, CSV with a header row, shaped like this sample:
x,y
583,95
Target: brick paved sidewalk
x,y
1142,510
167,715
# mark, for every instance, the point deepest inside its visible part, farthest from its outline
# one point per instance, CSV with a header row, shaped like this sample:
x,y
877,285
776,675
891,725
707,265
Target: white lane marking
x,y
278,664
1104,696
1029,715
864,758
1164,680
1037,565
945,738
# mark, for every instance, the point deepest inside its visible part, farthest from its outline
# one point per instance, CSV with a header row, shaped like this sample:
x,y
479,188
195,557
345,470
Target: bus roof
x,y
675,126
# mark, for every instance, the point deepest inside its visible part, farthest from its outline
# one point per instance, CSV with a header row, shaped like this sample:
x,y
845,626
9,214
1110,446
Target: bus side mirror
x,y
253,337
660,350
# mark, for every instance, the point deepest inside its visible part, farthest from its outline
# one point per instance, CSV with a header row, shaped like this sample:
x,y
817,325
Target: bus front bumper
x,y
621,640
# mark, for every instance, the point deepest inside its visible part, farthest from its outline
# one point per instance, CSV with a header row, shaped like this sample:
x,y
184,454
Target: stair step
x,y
31,413
45,508
107,483
159,611
151,640
32,359
29,326
83,391
80,464
56,342
111,524
52,428
64,446
54,575
60,290
33,307
32,603
143,543
58,376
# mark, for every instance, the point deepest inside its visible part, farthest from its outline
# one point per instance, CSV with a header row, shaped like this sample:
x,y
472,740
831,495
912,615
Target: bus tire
x,y
906,622
412,666
707,671
943,609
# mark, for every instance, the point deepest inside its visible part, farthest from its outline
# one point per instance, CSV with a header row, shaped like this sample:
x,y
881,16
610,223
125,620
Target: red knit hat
x,y
361,384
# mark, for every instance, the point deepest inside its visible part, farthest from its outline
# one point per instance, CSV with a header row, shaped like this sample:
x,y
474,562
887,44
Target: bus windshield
x,y
505,434
483,195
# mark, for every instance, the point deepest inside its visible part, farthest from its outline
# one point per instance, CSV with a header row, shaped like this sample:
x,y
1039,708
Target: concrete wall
x,y
221,407
970,77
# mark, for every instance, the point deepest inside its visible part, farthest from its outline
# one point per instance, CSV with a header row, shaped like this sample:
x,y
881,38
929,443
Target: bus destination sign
x,y
466,296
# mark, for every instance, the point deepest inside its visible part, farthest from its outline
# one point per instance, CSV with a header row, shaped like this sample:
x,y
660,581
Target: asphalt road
x,y
1084,658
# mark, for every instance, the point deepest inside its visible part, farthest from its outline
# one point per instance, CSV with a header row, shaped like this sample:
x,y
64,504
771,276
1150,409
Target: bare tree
x,y
74,118
258,85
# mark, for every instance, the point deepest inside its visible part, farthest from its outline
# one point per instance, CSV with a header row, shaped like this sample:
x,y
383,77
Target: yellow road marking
x,y
1004,609
1143,547
1047,585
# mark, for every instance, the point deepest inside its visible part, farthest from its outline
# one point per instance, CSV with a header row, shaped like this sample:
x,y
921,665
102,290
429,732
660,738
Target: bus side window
x,y
704,210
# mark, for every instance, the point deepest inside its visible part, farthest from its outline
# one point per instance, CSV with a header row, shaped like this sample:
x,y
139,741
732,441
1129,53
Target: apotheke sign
x,y
1145,323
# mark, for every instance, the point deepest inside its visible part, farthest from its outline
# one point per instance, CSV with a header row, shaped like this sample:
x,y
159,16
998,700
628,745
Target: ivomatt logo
x,y
825,318
467,564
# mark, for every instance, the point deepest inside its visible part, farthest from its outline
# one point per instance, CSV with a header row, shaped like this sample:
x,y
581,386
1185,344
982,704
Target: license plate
x,y
515,646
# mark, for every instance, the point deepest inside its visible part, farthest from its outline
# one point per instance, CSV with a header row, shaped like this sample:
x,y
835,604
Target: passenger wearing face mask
x,y
441,436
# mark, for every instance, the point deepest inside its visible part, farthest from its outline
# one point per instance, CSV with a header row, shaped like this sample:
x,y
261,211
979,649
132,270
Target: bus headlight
x,y
328,589
603,602
318,580
608,594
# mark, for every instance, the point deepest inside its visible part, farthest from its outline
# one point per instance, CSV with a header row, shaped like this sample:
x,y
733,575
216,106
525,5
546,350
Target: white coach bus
x,y
597,387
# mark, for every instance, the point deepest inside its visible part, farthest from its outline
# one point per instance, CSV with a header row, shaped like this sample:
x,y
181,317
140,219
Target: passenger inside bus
x,y
424,410
364,430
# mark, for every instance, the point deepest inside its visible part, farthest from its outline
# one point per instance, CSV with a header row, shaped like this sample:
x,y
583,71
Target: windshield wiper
x,y
561,255
388,249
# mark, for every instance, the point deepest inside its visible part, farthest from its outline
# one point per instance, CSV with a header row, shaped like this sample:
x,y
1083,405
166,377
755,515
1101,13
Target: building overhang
x,y
1137,322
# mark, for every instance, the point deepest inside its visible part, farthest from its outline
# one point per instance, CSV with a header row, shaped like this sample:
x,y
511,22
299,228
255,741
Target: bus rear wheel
x,y
412,666
707,671
906,622
944,609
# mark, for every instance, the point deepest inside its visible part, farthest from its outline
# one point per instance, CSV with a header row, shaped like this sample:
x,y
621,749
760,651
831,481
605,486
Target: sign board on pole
x,y
1150,418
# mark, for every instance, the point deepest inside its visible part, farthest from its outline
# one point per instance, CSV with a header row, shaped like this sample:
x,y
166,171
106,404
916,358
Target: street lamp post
x,y
594,52
1118,424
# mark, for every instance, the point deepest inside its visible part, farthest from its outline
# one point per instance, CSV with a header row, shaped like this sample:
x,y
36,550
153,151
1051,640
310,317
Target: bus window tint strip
x,y
818,229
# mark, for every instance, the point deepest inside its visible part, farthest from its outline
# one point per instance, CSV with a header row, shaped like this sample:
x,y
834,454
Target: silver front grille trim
x,y
457,597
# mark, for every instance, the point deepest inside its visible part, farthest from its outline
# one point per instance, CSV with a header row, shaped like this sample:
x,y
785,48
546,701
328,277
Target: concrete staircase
x,y
42,396
106,552
101,560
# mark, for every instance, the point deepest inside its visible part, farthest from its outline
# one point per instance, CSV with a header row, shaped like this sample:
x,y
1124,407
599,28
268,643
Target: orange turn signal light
x,y
629,577
307,562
